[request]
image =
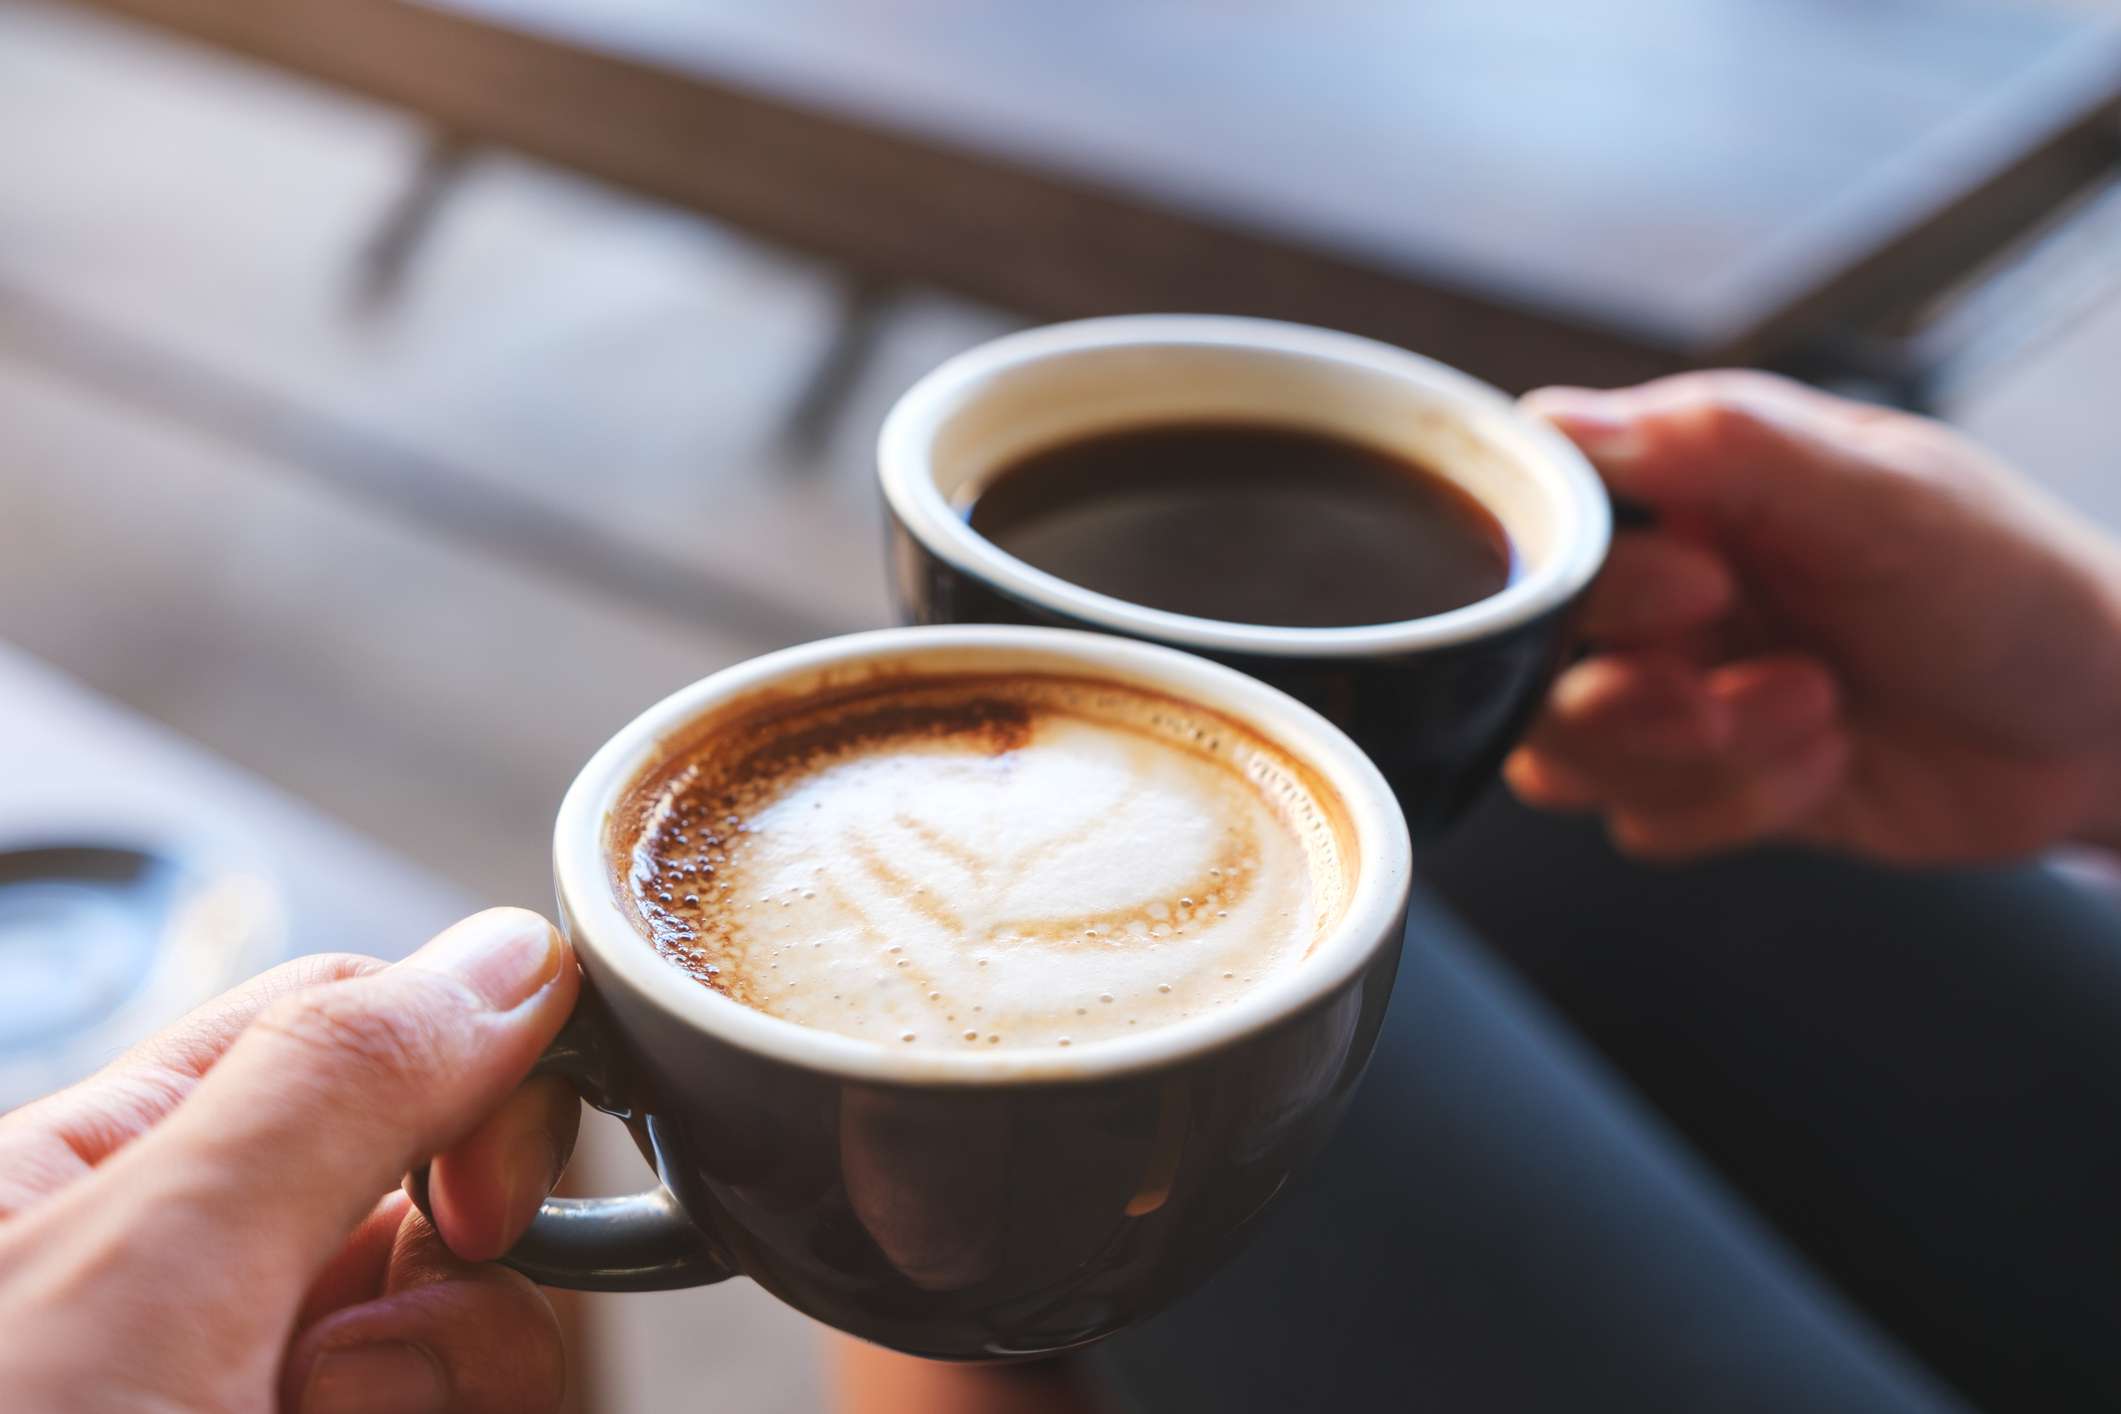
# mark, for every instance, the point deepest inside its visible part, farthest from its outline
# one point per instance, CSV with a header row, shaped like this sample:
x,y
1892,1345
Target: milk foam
x,y
986,862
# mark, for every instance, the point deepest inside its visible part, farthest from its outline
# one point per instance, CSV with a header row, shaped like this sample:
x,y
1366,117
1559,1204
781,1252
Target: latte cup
x,y
1436,701
970,1204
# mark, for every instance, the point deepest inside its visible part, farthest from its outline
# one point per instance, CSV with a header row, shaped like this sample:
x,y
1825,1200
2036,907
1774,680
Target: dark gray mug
x,y
956,1204
1436,701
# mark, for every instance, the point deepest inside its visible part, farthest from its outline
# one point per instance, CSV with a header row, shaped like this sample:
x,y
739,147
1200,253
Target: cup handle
x,y
640,1242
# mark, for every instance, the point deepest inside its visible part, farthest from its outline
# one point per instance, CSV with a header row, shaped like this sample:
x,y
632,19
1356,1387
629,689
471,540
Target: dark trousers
x,y
1778,1133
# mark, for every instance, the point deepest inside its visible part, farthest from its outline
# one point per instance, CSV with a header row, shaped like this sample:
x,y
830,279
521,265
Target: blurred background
x,y
394,397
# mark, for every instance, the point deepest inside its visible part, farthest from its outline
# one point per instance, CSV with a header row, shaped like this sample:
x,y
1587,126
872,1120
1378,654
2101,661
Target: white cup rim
x,y
618,951
906,468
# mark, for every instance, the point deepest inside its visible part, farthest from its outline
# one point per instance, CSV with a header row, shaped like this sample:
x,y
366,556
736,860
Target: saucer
x,y
101,942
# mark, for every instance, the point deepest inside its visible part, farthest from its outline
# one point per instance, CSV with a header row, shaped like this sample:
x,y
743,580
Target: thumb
x,y
1734,450
331,1094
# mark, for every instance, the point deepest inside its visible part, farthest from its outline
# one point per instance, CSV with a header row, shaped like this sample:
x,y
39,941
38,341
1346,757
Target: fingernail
x,y
387,1378
506,954
1591,419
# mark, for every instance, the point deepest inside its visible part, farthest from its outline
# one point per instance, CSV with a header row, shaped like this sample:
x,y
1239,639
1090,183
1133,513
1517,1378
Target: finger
x,y
1546,782
332,1093
1618,728
1657,586
1760,801
444,1335
360,1269
192,1045
51,1142
1608,710
1608,781
1724,447
487,1188
1649,733
1773,701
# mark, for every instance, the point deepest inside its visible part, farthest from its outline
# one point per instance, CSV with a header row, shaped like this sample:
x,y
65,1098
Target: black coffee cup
x,y
1437,701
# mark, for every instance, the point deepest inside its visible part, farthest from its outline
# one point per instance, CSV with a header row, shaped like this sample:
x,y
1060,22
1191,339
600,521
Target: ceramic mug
x,y
974,1204
1436,702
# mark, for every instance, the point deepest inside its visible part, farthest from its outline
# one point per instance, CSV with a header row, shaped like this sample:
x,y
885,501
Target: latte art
x,y
983,862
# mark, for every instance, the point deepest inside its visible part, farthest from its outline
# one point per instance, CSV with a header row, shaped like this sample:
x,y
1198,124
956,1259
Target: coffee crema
x,y
982,861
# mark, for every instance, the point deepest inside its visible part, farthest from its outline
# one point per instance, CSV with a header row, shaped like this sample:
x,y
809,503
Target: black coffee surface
x,y
1247,523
